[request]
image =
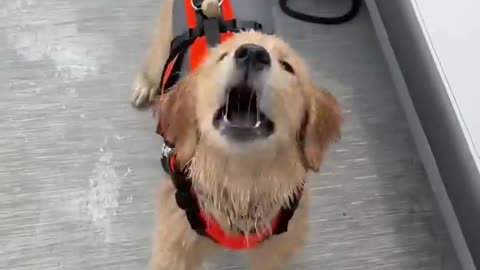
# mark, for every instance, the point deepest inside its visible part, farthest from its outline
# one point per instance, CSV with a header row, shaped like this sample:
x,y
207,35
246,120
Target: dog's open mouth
x,y
240,119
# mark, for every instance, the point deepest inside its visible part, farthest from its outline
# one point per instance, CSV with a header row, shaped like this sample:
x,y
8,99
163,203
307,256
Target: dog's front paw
x,y
144,91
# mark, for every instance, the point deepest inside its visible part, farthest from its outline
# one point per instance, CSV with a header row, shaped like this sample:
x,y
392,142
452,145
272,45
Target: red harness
x,y
235,242
199,47
197,39
205,225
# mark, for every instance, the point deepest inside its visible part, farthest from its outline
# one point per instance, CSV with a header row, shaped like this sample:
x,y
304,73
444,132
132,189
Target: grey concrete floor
x,y
79,167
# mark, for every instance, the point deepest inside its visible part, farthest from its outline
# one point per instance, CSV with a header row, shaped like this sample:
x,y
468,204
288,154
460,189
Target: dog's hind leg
x,y
148,79
176,246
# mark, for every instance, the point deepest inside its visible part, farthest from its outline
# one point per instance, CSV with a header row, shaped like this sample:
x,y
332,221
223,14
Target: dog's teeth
x,y
225,118
258,124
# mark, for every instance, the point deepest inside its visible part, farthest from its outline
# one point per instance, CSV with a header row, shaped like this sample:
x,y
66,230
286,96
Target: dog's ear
x,y
320,128
177,121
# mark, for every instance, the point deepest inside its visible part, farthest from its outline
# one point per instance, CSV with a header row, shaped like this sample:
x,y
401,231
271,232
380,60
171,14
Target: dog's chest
x,y
240,213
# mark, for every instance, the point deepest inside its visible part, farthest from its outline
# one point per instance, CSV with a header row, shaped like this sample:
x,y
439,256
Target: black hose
x,y
356,4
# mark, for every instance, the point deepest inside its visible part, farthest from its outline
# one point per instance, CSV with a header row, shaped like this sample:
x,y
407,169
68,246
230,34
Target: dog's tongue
x,y
243,119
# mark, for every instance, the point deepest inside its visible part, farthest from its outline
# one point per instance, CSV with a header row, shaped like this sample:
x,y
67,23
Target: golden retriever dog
x,y
247,138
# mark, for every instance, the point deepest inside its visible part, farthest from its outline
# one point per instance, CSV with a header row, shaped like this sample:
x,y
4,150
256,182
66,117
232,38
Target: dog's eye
x,y
286,66
222,56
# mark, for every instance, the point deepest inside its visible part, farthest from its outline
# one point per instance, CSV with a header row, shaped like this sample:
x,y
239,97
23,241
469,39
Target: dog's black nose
x,y
252,55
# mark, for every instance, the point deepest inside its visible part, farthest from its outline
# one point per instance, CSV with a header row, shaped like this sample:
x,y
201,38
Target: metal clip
x,y
199,7
166,150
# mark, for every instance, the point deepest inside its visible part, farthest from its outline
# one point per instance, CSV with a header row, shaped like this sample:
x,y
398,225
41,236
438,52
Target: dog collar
x,y
205,225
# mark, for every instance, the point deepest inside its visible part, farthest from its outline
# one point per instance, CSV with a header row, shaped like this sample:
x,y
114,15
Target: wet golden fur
x,y
242,188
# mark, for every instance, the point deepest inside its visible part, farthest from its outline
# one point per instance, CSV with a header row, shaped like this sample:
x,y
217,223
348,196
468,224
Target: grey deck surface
x,y
79,167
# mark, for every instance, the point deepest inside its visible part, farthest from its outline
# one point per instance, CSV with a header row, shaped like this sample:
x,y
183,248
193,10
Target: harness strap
x,y
190,14
227,10
212,31
286,213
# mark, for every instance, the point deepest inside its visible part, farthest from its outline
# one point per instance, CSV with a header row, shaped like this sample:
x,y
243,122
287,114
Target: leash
x,y
352,13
